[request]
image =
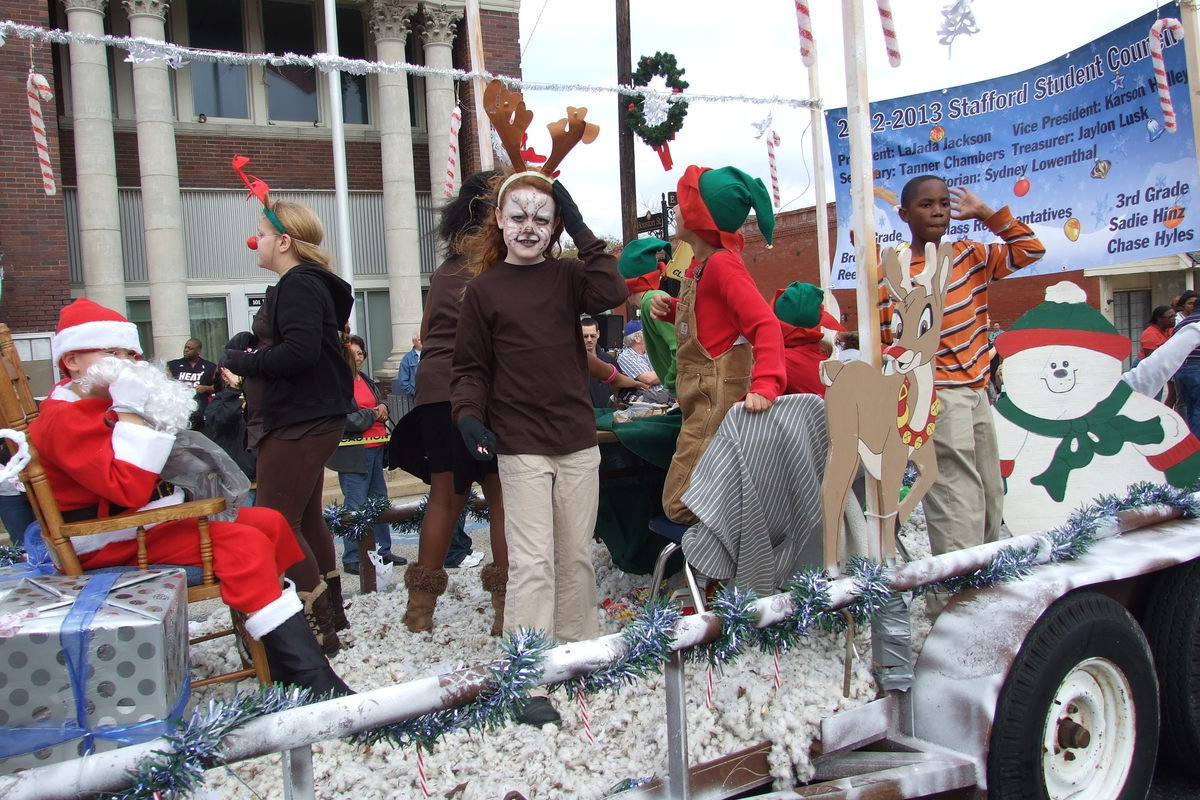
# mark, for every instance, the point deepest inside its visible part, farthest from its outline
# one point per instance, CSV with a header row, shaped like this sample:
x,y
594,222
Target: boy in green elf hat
x,y
729,344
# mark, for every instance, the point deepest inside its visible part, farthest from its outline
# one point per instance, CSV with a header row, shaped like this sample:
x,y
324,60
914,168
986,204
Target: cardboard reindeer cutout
x,y
884,419
1068,427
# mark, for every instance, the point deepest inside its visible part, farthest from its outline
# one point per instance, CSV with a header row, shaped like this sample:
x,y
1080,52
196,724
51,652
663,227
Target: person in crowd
x,y
1187,378
298,391
963,508
406,379
520,318
993,331
428,444
1185,304
358,459
847,346
102,452
16,513
225,424
730,347
198,373
633,362
601,391
1162,323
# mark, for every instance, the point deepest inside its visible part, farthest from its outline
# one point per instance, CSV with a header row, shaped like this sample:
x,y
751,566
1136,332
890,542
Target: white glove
x,y
129,393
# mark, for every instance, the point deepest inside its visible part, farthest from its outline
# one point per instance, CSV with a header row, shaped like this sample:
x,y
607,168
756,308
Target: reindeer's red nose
x,y
894,351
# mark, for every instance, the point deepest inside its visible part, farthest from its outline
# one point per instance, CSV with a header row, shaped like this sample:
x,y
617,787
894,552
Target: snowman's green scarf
x,y
1102,430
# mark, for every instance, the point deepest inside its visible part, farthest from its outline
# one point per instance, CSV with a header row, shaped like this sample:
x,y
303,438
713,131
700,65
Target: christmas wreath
x,y
656,122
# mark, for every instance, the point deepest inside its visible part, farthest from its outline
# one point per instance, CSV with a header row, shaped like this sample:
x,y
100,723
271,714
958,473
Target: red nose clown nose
x,y
252,242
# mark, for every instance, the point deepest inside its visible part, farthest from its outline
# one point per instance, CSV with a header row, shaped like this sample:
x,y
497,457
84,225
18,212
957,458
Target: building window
x,y
352,43
373,321
291,91
1131,309
218,90
209,319
138,312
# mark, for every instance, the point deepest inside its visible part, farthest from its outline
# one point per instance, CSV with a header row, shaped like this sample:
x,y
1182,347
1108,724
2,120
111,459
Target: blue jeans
x,y
356,488
17,514
460,545
1187,381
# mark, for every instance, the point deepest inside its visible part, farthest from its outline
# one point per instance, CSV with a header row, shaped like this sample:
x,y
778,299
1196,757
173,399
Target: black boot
x,y
295,658
333,580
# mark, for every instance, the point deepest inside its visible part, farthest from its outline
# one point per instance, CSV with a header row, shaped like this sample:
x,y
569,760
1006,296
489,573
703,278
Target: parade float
x,y
1066,659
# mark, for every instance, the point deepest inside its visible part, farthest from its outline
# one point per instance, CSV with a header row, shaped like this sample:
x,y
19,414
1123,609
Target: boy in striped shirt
x,y
964,507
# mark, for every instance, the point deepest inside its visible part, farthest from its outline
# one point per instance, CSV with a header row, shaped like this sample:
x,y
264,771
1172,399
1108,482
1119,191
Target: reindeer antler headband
x,y
258,188
506,109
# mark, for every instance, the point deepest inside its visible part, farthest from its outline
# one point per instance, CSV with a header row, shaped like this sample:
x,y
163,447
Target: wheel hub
x,y
1088,745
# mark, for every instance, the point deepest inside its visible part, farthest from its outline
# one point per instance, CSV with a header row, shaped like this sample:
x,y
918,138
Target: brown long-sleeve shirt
x,y
441,326
519,359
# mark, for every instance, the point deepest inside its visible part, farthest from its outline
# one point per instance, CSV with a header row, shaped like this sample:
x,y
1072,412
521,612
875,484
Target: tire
x,y
1083,675
1173,630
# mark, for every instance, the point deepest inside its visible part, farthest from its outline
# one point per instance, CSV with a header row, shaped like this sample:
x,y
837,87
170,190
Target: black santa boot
x,y
293,655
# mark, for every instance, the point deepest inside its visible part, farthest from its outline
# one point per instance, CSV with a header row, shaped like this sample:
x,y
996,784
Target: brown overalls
x,y
706,388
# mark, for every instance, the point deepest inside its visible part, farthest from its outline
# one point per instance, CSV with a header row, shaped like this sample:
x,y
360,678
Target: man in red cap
x,y
729,344
102,453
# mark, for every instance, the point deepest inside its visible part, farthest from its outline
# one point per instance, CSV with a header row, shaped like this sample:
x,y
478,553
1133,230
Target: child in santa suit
x,y
102,455
729,344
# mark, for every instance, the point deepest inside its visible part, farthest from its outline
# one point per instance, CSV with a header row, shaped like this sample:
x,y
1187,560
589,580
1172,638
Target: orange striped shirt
x,y
964,355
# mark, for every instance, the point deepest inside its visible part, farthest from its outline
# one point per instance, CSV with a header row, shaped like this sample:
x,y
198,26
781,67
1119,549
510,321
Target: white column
x,y
390,23
160,184
95,158
437,33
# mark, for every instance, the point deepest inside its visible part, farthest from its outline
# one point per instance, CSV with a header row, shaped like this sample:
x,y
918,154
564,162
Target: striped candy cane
x,y
708,691
772,143
778,678
889,32
421,773
1160,70
583,712
452,153
38,90
806,36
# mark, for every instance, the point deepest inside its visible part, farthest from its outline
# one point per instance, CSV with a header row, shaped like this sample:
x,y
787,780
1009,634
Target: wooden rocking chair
x,y
19,408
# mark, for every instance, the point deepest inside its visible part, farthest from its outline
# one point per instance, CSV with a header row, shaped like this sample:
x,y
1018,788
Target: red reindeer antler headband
x,y
258,188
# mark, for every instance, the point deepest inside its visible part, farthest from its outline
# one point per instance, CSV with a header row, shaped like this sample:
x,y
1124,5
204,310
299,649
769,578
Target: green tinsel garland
x,y
648,637
11,555
357,523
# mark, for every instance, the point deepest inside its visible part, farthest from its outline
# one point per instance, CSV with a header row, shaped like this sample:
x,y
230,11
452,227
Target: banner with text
x,y
1076,148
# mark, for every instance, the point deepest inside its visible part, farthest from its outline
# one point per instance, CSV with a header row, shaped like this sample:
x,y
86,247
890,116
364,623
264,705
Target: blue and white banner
x,y
1075,147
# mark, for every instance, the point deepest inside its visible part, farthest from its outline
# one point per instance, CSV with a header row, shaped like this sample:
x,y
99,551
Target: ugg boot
x,y
495,580
320,618
336,602
293,654
425,586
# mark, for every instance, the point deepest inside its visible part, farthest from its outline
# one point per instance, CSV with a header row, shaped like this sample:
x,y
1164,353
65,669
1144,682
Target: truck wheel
x,y
1173,630
1078,714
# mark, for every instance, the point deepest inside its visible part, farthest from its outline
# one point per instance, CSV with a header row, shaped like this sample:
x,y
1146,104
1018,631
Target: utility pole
x,y
624,134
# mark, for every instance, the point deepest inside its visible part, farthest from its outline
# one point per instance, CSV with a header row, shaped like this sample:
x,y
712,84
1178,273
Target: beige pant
x,y
549,517
965,506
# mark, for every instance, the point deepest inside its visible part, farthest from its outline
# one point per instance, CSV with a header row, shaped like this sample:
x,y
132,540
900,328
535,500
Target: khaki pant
x,y
965,506
549,517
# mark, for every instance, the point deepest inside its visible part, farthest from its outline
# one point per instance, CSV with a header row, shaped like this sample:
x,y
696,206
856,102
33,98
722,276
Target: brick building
x,y
149,216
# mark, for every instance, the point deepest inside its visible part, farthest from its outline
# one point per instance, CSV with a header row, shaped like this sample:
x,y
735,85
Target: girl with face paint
x,y
519,388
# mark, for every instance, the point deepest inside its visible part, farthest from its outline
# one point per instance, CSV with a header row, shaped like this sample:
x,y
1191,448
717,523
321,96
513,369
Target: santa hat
x,y
715,203
1064,318
85,325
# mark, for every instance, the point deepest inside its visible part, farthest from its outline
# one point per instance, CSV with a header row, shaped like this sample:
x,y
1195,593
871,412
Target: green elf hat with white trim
x,y
715,203
1064,318
639,257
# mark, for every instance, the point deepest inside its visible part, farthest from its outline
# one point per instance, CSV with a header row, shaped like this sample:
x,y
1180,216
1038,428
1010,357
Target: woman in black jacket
x,y
298,391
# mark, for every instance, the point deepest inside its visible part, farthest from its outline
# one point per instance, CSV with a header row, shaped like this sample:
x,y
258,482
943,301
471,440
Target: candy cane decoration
x,y
806,36
452,152
708,691
1160,70
772,143
778,679
421,773
583,712
38,90
889,32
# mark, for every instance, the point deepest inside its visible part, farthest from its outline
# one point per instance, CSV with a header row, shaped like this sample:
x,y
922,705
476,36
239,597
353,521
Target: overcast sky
x,y
751,48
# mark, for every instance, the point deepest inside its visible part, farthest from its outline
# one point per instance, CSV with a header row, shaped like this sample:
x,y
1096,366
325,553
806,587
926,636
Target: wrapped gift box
x,y
89,663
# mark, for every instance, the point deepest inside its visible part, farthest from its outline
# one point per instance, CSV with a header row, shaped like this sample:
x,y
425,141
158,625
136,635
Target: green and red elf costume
x,y
729,341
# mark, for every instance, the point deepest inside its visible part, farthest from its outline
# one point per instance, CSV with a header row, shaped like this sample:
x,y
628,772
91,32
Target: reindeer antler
x,y
568,132
506,109
895,271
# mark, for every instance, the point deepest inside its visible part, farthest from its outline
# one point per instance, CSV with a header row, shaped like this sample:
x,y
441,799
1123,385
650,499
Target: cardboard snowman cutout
x,y
1069,429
